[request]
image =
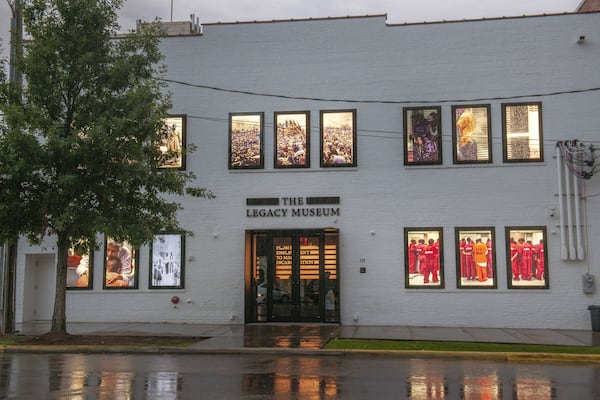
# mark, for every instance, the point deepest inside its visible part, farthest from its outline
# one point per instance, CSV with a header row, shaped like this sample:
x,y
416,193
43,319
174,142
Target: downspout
x,y
578,220
559,161
570,228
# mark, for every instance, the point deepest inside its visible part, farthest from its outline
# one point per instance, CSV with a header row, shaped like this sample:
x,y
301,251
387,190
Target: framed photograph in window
x,y
475,261
120,265
246,140
292,139
338,138
471,134
423,260
527,265
522,132
79,270
172,142
422,135
167,261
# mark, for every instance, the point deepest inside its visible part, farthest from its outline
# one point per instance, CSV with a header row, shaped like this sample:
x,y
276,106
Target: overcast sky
x,y
398,11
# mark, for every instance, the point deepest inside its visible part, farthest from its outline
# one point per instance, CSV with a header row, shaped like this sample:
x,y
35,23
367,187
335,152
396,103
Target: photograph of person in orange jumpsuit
x,y
423,257
475,257
526,261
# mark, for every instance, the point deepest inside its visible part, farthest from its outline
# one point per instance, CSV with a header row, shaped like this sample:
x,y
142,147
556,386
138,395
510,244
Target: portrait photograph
x,y
522,132
167,255
471,134
423,249
120,265
292,133
422,135
79,270
246,141
475,262
172,142
527,265
338,138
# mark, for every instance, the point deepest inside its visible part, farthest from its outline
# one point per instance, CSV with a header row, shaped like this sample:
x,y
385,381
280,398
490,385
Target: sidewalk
x,y
315,336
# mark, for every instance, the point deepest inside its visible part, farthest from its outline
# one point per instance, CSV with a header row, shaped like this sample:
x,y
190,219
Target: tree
x,y
78,156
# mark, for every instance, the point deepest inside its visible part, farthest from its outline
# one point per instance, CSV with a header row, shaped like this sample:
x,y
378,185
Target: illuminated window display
x,y
338,138
471,134
475,260
79,270
526,257
167,261
422,135
522,132
292,140
172,142
423,258
120,265
246,141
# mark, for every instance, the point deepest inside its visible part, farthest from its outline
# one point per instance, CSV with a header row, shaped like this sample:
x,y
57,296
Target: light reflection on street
x,y
263,376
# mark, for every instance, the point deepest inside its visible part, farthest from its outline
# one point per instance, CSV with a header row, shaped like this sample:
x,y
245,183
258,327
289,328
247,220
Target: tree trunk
x,y
59,319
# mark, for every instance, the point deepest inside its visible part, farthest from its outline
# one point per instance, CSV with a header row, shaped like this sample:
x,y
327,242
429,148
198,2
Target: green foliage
x,y
77,157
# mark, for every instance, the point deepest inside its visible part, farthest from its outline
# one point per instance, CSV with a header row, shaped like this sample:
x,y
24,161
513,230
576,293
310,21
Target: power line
x,y
288,97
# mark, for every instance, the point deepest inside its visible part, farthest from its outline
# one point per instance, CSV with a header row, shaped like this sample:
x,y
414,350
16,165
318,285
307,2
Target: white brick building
x,y
288,207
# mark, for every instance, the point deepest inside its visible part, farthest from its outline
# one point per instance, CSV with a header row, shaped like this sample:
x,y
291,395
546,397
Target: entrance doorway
x,y
292,276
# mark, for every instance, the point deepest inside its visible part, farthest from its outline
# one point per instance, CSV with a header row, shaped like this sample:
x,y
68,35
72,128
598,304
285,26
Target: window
x,y
338,138
120,265
167,261
79,270
246,141
172,142
475,261
526,257
422,135
423,258
292,140
471,134
522,132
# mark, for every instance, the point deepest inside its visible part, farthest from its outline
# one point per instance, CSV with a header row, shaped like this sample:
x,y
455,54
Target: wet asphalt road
x,y
247,376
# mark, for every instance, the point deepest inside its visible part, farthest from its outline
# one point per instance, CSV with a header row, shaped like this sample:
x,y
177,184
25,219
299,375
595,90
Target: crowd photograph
x,y
338,138
475,261
245,141
423,258
291,137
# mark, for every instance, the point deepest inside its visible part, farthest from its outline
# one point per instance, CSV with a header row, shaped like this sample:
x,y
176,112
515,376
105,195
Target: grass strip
x,y
375,344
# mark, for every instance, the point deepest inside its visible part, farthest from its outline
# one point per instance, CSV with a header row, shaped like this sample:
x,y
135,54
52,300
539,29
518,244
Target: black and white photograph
x,y
167,261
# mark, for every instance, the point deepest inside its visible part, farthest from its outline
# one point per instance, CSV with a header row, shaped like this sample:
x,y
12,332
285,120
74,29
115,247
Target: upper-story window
x,y
422,135
338,138
471,134
522,132
292,139
172,142
246,132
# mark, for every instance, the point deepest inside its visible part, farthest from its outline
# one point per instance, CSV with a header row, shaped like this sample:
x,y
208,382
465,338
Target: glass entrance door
x,y
294,276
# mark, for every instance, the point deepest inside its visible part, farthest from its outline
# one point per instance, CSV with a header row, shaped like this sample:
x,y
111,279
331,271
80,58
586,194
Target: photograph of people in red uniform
x,y
476,266
423,258
526,249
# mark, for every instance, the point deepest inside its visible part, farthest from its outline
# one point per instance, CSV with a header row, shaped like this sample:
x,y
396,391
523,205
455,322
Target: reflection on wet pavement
x,y
289,336
264,376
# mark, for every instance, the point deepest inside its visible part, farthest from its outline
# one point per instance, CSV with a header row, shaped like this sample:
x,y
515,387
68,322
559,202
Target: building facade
x,y
366,173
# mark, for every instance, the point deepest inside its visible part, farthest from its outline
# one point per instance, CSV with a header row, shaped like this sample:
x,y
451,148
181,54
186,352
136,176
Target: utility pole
x,y
9,250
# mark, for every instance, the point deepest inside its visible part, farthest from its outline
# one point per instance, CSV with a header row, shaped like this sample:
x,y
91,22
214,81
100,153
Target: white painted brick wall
x,y
365,59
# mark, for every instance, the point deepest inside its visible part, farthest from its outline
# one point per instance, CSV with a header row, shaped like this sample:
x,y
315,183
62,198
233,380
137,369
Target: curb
x,y
473,355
